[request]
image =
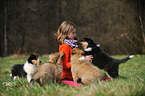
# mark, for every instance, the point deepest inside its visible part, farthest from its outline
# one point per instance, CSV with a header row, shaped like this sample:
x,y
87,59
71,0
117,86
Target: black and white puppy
x,y
27,69
101,59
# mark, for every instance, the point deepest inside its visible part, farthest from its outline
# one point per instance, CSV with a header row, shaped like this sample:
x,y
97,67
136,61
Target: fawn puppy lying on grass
x,y
50,71
82,69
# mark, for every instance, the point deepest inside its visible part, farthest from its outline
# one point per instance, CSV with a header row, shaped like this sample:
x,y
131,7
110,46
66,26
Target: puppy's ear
x,y
31,55
61,55
30,58
73,52
83,52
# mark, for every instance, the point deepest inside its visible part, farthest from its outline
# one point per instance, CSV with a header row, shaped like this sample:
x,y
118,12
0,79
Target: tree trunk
x,y
5,29
60,11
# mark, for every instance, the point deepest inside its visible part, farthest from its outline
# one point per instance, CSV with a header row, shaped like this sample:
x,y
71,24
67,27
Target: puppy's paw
x,y
131,56
82,58
88,49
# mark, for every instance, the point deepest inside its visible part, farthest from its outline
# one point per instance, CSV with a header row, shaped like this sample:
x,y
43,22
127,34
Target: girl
x,y
66,37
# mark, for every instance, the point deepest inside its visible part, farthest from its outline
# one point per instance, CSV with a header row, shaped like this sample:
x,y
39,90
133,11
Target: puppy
x,y
27,69
101,59
82,69
50,71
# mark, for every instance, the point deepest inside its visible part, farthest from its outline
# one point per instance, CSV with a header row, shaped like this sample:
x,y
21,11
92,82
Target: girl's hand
x,y
89,57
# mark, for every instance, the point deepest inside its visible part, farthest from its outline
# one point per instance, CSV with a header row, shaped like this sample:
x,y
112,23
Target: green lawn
x,y
131,82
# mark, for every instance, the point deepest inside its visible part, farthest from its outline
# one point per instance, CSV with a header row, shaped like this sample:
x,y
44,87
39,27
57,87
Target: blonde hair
x,y
64,29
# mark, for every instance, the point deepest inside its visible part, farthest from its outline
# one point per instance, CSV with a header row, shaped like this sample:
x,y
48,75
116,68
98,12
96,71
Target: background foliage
x,y
28,26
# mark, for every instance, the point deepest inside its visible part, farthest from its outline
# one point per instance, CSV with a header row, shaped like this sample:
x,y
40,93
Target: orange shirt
x,y
66,74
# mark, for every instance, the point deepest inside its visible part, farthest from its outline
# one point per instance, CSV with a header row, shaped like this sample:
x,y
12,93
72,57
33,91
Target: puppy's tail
x,y
125,59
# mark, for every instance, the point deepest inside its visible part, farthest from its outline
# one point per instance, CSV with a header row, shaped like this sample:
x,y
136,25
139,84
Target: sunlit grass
x,y
131,82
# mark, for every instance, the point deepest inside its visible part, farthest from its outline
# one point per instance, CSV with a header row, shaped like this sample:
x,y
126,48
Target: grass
x,y
131,81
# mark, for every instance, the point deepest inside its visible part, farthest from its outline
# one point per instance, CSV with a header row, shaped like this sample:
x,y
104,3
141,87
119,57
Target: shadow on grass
x,y
122,77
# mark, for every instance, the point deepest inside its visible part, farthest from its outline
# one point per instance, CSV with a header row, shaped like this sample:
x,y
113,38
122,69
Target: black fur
x,y
102,60
17,69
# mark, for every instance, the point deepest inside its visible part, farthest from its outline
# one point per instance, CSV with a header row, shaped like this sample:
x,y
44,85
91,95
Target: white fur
x,y
10,74
88,49
98,45
131,56
30,70
82,58
14,77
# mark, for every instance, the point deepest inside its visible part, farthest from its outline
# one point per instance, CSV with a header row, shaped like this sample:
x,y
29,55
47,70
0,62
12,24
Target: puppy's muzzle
x,y
38,62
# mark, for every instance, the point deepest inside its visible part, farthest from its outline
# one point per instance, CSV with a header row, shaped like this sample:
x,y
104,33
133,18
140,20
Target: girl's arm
x,y
66,59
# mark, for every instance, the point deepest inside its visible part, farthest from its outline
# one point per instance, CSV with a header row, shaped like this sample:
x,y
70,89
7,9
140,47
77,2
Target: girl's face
x,y
72,35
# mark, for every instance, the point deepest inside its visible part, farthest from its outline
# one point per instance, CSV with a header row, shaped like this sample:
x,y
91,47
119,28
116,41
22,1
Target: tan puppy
x,y
83,69
50,71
